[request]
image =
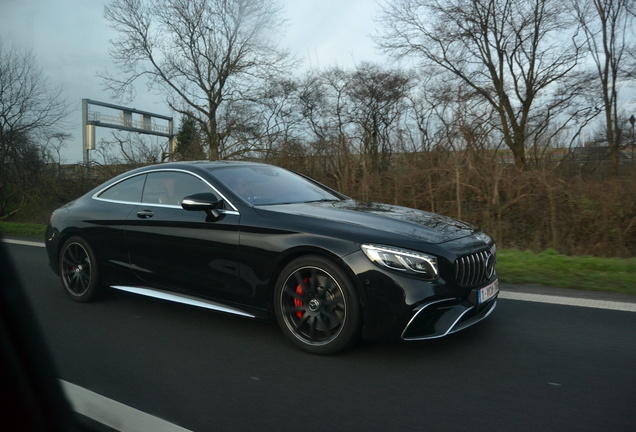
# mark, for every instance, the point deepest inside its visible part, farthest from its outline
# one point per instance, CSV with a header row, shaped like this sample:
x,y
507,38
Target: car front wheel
x,y
78,270
316,305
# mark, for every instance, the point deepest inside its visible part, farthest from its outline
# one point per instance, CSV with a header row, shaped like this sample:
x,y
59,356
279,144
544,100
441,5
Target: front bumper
x,y
396,306
443,317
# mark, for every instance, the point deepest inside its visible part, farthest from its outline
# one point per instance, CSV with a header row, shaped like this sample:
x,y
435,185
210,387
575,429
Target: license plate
x,y
486,293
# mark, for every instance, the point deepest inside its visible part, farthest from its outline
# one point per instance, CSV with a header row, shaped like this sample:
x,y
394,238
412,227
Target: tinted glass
x,y
271,185
168,187
128,190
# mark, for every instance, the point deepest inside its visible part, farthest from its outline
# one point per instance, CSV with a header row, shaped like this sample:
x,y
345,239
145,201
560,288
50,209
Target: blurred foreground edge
x,y
31,397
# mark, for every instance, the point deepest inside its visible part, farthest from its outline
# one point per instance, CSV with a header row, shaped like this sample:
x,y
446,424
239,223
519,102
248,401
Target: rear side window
x,y
128,190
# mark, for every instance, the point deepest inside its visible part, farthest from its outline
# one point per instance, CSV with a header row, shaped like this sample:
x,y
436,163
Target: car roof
x,y
204,164
201,167
194,166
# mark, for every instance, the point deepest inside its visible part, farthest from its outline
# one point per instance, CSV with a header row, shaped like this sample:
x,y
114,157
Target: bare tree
x,y
199,53
512,53
53,148
265,123
325,107
377,96
129,149
31,111
607,25
279,116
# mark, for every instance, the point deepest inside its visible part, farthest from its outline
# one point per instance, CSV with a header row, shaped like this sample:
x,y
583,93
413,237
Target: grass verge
x,y
25,230
547,268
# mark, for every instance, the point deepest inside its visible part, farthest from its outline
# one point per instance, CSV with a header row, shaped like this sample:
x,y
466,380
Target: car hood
x,y
422,225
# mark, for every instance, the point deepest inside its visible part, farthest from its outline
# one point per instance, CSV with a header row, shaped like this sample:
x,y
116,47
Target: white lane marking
x,y
24,242
114,414
568,301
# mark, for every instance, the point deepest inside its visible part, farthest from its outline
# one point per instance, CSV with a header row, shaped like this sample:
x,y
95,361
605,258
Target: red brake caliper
x,y
297,302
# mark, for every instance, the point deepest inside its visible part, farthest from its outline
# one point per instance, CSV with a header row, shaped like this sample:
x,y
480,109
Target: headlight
x,y
403,260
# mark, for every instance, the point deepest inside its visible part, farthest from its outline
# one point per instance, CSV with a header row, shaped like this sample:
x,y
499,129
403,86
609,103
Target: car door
x,y
179,250
104,226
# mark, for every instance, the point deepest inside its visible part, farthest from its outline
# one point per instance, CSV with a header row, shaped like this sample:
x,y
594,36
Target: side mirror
x,y
206,202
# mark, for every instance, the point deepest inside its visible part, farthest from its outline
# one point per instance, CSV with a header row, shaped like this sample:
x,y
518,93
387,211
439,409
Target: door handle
x,y
145,214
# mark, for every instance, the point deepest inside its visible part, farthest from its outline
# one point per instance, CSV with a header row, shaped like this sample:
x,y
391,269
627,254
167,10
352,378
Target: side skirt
x,y
184,299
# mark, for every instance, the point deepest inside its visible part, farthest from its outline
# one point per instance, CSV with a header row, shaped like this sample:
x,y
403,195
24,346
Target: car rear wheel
x,y
78,270
316,305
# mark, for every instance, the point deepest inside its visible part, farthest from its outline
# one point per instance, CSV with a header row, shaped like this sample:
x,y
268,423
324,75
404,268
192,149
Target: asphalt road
x,y
528,367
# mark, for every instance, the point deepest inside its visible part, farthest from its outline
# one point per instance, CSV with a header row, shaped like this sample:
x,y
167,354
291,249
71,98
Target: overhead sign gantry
x,y
122,118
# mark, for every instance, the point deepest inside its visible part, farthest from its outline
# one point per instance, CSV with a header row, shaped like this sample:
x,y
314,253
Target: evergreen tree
x,y
189,141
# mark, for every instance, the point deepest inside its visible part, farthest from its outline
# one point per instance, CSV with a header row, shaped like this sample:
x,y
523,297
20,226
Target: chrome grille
x,y
475,269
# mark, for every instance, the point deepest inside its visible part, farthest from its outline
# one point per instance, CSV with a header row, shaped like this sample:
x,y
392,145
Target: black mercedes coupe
x,y
263,242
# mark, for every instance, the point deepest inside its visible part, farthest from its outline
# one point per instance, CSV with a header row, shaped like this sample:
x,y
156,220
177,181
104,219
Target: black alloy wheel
x,y
316,306
78,270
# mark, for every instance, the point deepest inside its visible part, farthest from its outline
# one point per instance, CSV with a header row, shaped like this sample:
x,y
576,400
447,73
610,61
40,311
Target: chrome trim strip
x,y
417,313
172,206
474,321
451,328
182,298
95,195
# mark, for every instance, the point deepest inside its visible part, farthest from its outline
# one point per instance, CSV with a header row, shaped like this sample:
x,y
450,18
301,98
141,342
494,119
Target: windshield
x,y
267,185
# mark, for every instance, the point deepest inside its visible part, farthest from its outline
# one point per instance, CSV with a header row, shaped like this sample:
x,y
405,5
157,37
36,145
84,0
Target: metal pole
x,y
632,120
84,131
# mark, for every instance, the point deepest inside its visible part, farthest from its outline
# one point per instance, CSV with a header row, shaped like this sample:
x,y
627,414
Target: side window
x,y
128,190
167,187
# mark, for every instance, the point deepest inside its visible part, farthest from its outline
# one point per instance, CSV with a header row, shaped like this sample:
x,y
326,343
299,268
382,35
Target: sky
x,y
70,41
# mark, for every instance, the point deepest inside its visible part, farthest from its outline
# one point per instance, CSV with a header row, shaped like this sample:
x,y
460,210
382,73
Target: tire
x,y
78,270
316,306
